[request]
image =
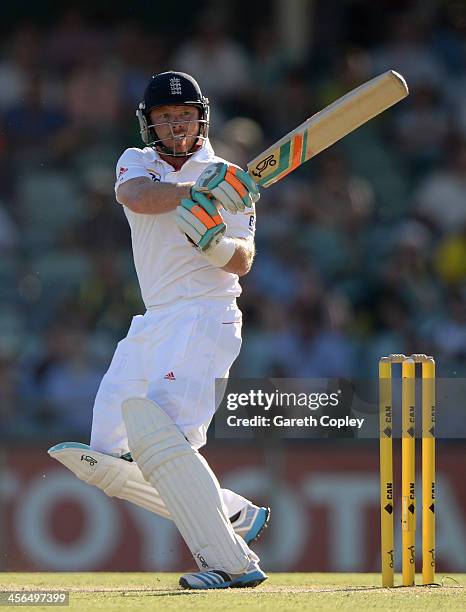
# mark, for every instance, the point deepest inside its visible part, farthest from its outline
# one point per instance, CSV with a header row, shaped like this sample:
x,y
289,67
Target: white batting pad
x,y
115,477
187,486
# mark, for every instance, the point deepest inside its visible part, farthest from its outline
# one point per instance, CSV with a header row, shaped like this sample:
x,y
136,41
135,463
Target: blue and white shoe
x,y
250,522
216,579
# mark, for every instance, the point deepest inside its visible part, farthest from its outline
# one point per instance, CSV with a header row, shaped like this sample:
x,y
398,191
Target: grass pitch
x,y
124,591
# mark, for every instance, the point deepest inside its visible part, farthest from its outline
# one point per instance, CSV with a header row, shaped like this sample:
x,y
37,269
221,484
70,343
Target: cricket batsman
x,y
192,220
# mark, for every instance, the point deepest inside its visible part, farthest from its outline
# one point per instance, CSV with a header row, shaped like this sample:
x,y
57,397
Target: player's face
x,y
176,126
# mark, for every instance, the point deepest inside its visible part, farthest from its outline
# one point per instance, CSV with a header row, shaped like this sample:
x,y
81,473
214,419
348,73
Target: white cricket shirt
x,y
168,266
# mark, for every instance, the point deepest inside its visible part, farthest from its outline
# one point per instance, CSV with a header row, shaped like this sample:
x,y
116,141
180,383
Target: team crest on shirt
x,y
154,176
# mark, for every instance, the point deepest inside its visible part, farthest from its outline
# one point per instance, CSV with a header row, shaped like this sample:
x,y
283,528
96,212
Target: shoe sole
x,y
261,530
256,579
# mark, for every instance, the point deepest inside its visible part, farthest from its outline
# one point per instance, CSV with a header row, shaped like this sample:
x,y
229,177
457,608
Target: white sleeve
x,y
241,225
130,165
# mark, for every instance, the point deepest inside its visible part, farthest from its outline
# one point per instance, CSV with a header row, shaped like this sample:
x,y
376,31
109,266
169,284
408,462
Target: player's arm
x,y
242,258
143,196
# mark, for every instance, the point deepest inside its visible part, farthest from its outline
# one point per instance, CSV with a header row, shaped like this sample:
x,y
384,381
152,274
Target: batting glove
x,y
202,223
231,186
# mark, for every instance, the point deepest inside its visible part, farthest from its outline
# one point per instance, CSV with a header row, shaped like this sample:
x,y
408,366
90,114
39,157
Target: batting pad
x,y
115,477
186,484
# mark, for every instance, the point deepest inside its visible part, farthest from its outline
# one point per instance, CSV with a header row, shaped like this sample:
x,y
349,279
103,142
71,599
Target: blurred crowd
x,y
360,253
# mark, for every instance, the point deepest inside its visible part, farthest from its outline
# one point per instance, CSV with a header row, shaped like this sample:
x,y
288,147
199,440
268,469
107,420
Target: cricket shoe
x,y
250,522
217,579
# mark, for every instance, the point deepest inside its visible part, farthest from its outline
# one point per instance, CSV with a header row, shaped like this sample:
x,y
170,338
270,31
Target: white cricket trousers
x,y
172,355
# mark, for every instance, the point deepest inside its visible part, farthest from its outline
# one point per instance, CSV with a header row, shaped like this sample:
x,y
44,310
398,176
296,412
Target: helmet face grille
x,y
172,88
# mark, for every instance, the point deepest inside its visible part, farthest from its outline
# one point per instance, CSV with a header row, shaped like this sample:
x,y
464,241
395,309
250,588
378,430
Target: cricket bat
x,y
327,127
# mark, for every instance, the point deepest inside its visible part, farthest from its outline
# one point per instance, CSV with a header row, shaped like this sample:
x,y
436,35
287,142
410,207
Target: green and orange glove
x,y
203,224
231,186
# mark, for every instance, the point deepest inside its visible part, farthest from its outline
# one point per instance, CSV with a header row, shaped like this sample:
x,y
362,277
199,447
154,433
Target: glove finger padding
x,y
243,184
230,185
226,194
186,222
200,221
247,181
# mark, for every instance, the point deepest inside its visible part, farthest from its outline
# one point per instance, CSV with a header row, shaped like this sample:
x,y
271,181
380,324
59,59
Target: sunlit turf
x,y
290,591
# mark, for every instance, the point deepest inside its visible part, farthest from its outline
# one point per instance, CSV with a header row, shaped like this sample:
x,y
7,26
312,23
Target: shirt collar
x,y
205,154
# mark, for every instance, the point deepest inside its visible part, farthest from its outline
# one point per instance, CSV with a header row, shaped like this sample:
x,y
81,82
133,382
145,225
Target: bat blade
x,y
327,127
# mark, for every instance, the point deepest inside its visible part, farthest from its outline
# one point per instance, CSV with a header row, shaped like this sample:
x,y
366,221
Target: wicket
x,y
408,496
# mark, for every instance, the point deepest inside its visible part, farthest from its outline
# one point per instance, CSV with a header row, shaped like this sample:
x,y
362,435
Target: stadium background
x,y
360,253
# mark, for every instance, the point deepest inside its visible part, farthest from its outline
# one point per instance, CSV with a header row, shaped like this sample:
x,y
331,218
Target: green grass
x,y
124,591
